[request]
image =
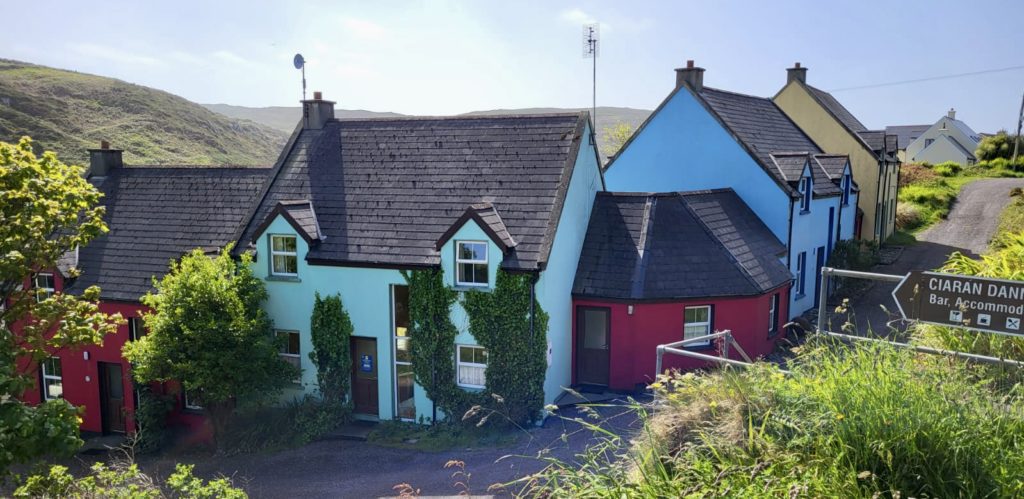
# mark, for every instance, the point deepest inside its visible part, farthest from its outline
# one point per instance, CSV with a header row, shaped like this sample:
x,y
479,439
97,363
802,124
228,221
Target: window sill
x,y
709,346
805,212
283,278
463,287
470,388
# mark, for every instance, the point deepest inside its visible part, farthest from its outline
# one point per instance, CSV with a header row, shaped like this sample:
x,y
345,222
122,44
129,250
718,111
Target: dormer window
x,y
846,189
284,256
470,263
805,193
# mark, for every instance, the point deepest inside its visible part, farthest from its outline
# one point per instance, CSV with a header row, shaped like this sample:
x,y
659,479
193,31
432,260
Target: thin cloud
x,y
113,54
362,28
577,16
230,58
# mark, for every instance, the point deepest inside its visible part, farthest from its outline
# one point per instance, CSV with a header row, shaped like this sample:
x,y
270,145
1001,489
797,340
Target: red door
x,y
111,398
364,376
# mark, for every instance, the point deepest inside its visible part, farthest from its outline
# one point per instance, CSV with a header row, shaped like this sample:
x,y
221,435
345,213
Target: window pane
x,y
471,375
465,354
405,389
402,353
54,389
695,331
472,251
401,311
53,367
283,243
284,264
697,314
595,329
481,356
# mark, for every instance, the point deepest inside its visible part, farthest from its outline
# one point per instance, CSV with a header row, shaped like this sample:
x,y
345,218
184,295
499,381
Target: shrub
x,y
996,146
948,169
916,174
303,420
908,217
151,420
124,480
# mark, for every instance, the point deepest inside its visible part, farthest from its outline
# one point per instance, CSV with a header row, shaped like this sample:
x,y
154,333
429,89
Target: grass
x,y
901,238
927,192
440,437
1011,221
68,112
860,421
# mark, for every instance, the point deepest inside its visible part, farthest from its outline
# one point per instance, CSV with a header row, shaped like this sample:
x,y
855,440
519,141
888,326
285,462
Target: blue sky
x,y
446,57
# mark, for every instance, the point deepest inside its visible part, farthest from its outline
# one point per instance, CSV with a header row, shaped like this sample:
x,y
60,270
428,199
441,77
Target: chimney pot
x,y
317,95
797,72
691,76
316,112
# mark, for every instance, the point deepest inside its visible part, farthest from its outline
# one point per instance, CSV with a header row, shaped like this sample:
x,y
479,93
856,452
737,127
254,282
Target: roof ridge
x,y
741,94
456,117
713,236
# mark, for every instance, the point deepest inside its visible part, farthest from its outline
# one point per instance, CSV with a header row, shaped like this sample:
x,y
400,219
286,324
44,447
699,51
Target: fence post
x,y
657,364
726,340
823,296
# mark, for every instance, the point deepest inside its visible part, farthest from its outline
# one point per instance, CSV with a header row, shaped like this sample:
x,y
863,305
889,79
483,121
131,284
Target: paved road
x,y
360,469
970,226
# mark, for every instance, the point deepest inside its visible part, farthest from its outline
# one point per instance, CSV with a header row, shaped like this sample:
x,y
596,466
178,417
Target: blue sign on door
x,y
366,363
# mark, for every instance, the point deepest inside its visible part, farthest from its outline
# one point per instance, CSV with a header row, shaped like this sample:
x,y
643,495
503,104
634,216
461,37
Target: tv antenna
x,y
591,49
300,63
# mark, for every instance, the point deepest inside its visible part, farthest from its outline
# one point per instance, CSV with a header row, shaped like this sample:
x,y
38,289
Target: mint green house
x,y
352,203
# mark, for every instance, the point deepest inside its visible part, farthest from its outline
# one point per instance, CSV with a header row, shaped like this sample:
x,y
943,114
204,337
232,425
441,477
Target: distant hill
x,y
285,118
68,112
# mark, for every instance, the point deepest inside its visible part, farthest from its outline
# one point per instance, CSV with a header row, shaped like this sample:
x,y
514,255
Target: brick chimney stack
x,y
690,76
103,160
316,112
796,73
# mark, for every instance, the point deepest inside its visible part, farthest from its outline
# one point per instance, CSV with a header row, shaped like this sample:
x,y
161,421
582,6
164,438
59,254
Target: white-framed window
x,y
284,256
697,323
53,379
470,263
189,402
773,315
288,349
801,271
471,362
847,187
805,193
136,328
405,378
43,285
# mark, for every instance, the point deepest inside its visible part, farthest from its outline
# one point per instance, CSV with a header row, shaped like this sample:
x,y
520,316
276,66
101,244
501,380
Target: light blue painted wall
x,y
554,289
849,216
684,148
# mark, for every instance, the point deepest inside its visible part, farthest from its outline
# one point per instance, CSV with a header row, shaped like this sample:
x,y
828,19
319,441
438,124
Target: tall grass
x,y
860,421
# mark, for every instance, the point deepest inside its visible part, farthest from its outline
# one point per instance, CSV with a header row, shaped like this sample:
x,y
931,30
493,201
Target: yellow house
x,y
837,131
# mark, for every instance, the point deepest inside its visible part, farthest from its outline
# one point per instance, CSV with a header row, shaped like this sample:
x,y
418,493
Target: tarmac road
x,y
969,228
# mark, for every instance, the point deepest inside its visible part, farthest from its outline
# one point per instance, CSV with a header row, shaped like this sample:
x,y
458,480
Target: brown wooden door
x,y
112,397
364,376
593,345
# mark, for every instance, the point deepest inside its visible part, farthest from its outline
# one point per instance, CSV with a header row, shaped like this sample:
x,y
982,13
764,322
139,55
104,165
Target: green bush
x,y
948,169
996,146
151,420
124,480
849,421
303,420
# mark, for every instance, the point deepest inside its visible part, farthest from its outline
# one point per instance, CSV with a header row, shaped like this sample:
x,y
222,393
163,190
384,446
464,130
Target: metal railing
x,y
727,341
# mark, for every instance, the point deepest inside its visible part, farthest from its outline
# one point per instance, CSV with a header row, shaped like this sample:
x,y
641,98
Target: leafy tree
x,y
616,136
125,480
331,331
47,209
208,331
995,146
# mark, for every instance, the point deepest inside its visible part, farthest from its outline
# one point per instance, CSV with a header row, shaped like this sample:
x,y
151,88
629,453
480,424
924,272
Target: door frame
x,y
578,346
352,341
103,377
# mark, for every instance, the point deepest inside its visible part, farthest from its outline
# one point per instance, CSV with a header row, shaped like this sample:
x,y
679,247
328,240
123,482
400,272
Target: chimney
x,y
316,112
951,114
690,76
103,160
796,73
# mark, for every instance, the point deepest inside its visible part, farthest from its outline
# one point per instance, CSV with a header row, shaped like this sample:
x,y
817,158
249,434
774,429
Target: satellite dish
x,y
299,61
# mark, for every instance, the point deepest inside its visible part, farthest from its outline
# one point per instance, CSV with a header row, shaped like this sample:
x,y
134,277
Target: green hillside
x,y
69,112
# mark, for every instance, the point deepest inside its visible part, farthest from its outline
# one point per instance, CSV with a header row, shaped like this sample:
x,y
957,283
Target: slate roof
x,y
761,126
486,216
304,216
838,110
875,139
156,214
905,134
790,166
700,244
385,190
833,164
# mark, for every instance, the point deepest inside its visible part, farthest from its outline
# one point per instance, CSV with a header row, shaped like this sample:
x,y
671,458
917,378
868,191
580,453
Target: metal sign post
x,y
952,300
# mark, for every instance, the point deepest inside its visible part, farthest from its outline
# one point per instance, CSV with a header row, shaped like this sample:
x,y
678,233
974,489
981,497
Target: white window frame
x,y
706,324
801,271
459,363
459,261
293,254
805,193
288,356
50,290
188,404
394,368
135,324
773,315
51,377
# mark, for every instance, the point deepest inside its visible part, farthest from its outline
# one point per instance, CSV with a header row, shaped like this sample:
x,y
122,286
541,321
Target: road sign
x,y
979,303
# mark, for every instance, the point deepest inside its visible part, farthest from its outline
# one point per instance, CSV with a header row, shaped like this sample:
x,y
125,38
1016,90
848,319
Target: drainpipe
x,y
789,236
878,192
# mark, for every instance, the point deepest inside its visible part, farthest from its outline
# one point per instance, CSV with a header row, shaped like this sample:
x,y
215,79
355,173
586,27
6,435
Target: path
x,y
970,226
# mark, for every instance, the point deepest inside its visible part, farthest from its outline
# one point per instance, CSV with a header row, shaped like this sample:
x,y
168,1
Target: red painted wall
x,y
634,338
80,376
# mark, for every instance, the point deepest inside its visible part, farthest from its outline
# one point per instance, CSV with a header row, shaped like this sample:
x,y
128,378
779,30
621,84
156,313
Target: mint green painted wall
x,y
554,289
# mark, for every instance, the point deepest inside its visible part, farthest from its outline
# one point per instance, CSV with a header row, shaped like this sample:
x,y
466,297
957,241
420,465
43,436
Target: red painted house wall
x,y
634,338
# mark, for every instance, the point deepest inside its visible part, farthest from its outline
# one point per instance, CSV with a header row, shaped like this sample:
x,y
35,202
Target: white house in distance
x,y
949,139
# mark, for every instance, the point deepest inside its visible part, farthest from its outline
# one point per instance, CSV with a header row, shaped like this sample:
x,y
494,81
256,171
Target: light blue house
x,y
704,138
352,203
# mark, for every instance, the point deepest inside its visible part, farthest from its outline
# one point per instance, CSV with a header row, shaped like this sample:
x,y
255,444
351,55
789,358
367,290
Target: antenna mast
x,y
300,63
591,49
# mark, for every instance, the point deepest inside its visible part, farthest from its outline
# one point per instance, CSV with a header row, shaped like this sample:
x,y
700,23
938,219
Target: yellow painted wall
x,y
833,138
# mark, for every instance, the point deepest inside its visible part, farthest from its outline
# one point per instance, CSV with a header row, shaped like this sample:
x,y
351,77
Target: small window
x,y
801,264
847,187
136,328
472,366
288,349
773,315
928,142
43,284
805,194
471,263
53,379
697,323
284,257
189,402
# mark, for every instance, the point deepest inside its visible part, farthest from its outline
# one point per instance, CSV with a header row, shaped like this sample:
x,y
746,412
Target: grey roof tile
x,y
905,134
838,110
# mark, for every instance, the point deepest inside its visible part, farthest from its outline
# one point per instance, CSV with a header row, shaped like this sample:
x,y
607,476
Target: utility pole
x,y
591,49
1016,139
